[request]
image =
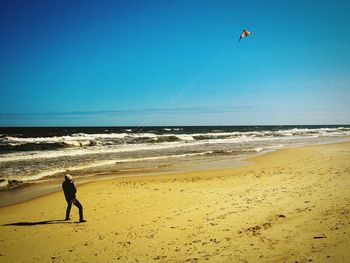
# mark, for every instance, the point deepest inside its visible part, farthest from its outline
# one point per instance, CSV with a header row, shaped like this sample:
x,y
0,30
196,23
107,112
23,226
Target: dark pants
x,y
77,204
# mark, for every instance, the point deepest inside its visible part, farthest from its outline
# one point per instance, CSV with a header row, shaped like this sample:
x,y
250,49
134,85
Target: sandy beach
x,y
291,205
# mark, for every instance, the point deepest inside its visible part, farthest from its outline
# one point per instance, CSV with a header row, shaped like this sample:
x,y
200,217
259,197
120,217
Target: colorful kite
x,y
245,33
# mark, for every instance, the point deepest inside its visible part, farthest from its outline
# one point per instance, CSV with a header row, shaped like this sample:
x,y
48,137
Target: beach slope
x,y
292,205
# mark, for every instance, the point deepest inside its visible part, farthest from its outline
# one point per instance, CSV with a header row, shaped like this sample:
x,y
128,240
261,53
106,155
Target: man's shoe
x,y
67,219
82,221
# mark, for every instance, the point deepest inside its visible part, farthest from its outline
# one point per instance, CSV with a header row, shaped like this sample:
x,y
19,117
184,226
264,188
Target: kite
x,y
245,33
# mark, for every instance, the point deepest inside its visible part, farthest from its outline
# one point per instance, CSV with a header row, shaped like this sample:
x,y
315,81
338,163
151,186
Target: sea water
x,y
29,155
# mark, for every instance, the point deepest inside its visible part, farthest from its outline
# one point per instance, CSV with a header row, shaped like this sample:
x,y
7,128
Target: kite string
x,y
174,99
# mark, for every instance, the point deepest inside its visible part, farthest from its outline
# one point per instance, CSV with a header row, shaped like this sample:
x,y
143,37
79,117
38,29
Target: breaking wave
x,y
33,154
16,144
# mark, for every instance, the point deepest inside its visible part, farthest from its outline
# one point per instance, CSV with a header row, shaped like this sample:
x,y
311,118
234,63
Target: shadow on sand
x,y
47,222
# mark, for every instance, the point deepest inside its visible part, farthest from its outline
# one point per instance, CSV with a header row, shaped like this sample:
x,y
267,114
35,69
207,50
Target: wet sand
x,y
291,205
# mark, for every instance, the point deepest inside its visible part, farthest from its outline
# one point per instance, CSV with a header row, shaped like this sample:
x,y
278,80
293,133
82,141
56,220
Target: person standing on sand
x,y
69,190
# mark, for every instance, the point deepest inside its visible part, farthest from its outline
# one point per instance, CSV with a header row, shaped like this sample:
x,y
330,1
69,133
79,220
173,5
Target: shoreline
x,y
116,148
32,190
290,205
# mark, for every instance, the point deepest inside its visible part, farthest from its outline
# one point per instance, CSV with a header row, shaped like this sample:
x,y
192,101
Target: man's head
x,y
68,177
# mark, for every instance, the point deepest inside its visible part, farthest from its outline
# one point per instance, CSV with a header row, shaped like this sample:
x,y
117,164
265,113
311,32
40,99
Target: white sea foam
x,y
3,184
83,151
273,147
82,141
172,129
41,175
78,138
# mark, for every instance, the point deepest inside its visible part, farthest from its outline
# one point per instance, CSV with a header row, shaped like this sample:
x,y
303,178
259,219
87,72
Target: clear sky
x,y
74,63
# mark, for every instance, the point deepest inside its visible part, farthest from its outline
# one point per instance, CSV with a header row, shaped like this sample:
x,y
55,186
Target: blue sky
x,y
82,63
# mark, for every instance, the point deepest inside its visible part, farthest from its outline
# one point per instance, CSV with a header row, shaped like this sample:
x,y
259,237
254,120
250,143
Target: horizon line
x,y
151,126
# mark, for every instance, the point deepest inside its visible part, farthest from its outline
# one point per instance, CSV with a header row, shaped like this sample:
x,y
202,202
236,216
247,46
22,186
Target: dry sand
x,y
293,205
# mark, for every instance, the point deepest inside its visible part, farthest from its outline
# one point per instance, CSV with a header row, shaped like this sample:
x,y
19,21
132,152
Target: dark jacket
x,y
69,190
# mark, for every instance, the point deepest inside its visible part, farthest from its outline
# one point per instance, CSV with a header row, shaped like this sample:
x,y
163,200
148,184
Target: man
x,y
69,190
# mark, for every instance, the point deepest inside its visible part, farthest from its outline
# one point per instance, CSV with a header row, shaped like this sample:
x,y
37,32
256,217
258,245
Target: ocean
x,y
33,154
